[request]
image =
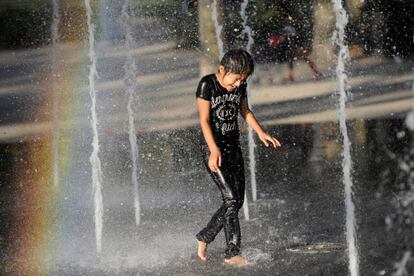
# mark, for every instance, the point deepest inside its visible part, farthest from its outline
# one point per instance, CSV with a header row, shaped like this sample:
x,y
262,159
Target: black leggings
x,y
230,181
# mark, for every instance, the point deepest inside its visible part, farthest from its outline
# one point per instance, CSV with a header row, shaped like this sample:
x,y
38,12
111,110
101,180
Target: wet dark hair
x,y
238,61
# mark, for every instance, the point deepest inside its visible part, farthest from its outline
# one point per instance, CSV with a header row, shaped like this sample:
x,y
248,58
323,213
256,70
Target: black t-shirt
x,y
224,107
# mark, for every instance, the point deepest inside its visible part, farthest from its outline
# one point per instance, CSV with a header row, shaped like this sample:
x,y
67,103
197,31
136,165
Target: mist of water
x,y
343,55
130,81
54,28
218,28
94,158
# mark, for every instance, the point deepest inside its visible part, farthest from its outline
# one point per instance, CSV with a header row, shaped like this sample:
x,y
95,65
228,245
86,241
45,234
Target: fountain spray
x,y
220,46
94,158
343,55
218,28
130,77
252,160
55,59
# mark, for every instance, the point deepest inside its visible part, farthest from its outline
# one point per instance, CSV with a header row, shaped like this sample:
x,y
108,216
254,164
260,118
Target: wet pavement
x,y
296,227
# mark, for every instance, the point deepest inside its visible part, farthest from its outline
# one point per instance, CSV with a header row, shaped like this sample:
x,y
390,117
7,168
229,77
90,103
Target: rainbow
x,y
34,222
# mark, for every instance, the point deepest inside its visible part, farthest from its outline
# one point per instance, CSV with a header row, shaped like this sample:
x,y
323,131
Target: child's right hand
x,y
214,160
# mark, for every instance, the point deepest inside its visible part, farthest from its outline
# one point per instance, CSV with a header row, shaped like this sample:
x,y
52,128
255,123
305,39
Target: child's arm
x,y
249,117
214,160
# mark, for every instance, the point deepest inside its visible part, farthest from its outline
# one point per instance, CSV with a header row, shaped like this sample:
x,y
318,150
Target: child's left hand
x,y
266,138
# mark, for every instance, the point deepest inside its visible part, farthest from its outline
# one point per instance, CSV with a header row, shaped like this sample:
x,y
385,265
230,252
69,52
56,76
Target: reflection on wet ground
x,y
296,226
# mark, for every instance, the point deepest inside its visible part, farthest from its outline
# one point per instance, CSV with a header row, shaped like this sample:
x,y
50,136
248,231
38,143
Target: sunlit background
x,y
100,172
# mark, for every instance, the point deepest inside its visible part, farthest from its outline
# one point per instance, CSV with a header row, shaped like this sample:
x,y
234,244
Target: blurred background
x,y
100,172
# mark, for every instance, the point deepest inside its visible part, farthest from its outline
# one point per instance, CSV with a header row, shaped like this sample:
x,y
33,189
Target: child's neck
x,y
219,78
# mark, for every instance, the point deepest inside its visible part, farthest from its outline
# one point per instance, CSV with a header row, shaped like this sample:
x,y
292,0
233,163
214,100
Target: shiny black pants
x,y
230,181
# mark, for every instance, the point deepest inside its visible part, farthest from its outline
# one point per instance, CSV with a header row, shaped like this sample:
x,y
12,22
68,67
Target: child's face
x,y
231,81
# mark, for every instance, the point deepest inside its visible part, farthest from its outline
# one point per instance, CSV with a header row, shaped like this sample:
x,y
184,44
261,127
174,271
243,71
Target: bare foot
x,y
236,261
202,248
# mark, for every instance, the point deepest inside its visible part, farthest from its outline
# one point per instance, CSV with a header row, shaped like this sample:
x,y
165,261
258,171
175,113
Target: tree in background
x,y
209,58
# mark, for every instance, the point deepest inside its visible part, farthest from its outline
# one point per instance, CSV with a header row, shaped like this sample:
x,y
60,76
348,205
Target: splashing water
x,y
130,76
54,28
218,28
94,158
339,35
255,256
252,164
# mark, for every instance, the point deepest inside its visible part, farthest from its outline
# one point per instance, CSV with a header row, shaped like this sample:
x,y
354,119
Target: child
x,y
220,97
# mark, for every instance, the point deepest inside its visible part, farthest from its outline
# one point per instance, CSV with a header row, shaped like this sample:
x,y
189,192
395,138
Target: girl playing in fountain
x,y
220,97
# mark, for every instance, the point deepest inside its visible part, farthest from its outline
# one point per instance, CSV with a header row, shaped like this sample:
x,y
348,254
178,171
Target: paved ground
x,y
296,226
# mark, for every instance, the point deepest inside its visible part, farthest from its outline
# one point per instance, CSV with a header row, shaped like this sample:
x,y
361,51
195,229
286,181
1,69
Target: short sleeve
x,y
204,90
243,90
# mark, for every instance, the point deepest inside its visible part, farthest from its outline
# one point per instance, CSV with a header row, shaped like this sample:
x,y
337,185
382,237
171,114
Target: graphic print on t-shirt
x,y
226,109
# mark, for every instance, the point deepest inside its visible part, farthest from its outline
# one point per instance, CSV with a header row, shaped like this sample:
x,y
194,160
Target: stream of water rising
x,y
252,145
94,157
343,55
218,28
130,82
54,28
